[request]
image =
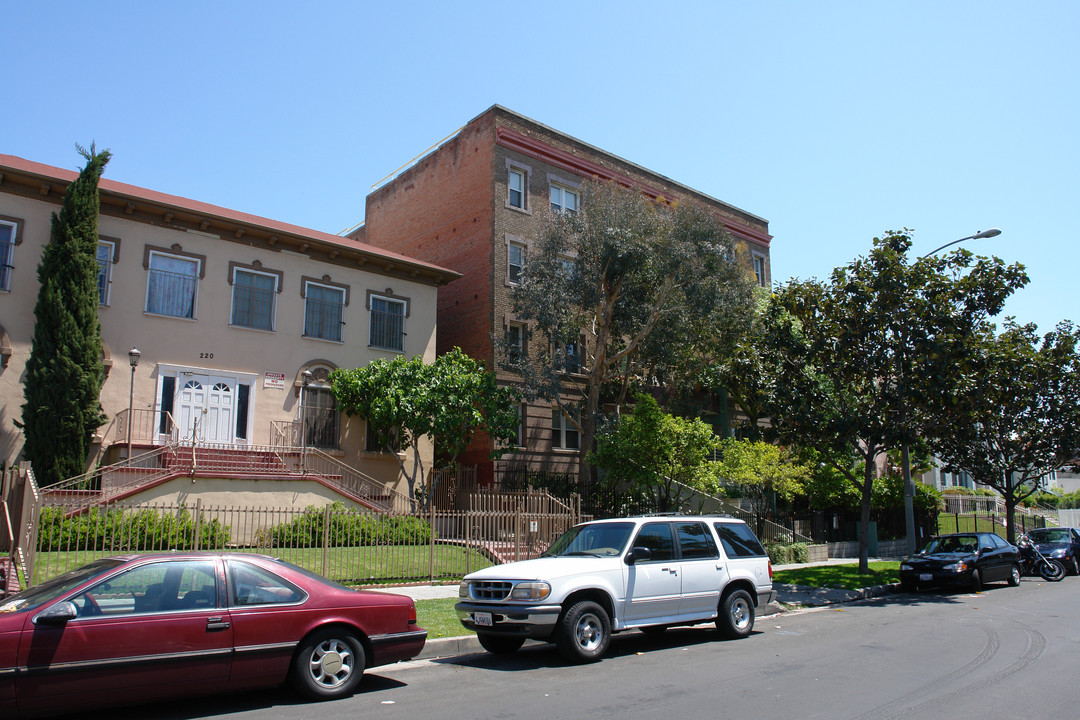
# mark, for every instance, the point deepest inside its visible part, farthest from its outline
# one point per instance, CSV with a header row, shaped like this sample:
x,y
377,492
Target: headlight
x,y
1060,553
904,567
463,589
956,567
530,591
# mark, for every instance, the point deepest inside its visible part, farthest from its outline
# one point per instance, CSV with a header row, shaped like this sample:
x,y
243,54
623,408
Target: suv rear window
x,y
738,540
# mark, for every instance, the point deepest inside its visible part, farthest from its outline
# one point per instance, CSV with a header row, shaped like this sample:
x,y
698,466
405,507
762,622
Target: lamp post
x,y
306,375
905,458
133,360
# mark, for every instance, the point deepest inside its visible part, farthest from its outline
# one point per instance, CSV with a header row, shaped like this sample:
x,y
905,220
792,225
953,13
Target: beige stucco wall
x,y
208,343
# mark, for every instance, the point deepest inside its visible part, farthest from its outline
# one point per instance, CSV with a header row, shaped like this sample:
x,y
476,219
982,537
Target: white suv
x,y
608,576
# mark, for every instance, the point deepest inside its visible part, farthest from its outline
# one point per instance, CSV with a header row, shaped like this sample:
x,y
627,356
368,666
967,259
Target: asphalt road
x,y
1005,652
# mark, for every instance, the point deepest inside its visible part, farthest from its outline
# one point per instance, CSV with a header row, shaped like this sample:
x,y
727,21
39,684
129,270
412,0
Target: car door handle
x,y
673,571
215,624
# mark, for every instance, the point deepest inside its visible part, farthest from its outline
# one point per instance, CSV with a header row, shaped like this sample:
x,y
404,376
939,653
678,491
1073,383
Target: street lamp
x,y
905,459
133,360
992,232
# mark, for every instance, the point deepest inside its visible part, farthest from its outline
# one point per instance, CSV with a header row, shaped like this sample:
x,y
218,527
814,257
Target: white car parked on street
x,y
608,576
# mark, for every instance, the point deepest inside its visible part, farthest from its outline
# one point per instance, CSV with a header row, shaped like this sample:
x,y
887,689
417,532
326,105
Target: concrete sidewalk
x,y
789,598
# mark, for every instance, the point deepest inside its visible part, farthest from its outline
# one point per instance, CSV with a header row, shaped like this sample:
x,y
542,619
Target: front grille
x,y
490,589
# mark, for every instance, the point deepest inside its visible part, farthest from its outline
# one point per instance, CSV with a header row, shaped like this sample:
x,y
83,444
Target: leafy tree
x,y
863,361
447,401
758,470
1014,414
64,373
625,293
653,451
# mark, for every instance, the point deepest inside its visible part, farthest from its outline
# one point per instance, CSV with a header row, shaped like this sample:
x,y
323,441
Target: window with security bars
x,y
7,253
253,299
172,285
323,311
387,324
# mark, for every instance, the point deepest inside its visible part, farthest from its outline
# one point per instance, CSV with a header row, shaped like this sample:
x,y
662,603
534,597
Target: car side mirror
x,y
986,550
637,554
57,614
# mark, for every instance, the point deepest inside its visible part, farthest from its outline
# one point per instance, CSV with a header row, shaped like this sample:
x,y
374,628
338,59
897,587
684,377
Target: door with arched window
x,y
320,418
206,407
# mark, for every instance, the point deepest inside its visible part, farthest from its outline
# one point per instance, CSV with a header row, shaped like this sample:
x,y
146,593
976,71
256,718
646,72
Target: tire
x,y
1073,566
583,632
1014,576
976,581
1051,570
500,644
736,616
329,665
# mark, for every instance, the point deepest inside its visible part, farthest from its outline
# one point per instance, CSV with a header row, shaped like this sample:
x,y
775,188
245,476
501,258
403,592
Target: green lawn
x,y
439,619
364,565
840,576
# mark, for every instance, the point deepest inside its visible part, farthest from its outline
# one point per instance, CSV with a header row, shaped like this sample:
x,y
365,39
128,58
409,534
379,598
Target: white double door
x,y
206,408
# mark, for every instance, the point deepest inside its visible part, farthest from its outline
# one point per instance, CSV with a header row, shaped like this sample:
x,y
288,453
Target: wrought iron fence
x,y
350,546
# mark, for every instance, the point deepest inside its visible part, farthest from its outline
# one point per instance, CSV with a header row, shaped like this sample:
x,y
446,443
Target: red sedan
x,y
139,628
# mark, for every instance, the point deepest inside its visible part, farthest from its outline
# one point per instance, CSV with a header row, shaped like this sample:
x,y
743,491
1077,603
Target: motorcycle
x,y
1033,562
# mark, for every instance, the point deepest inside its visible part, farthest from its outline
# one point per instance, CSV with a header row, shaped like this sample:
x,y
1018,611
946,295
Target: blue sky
x,y
835,121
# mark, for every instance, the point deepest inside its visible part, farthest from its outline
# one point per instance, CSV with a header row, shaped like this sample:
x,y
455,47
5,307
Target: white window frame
x,y
561,429
373,324
760,269
105,270
7,254
524,172
308,284
236,271
194,314
558,189
515,271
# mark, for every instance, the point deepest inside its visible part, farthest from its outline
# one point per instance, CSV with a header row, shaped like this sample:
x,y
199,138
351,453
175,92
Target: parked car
x,y
609,576
139,628
965,560
1060,543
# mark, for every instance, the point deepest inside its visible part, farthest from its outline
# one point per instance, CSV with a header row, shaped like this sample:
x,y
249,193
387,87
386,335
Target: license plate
x,y
483,619
925,576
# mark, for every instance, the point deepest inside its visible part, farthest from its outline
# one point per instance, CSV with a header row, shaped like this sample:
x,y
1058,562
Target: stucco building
x,y
474,205
238,319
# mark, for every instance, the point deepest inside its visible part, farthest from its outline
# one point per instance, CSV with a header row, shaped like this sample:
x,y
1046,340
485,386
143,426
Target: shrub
x,y
349,528
133,530
787,553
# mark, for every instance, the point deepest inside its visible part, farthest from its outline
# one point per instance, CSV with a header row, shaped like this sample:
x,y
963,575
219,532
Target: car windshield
x,y
597,540
953,544
57,586
1049,535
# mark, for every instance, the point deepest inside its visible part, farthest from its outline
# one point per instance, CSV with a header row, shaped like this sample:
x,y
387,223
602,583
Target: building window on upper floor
x,y
759,270
564,436
106,256
324,309
517,188
574,360
563,199
9,232
515,341
515,262
253,299
172,286
387,323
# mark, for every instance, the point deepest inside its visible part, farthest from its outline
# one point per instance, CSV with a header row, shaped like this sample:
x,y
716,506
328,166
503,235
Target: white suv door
x,y
653,586
703,572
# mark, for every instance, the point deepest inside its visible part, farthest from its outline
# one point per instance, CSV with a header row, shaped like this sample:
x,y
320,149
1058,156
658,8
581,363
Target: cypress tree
x,y
64,374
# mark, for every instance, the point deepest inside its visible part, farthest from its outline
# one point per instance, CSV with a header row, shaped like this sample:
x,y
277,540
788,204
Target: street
x,y
1006,651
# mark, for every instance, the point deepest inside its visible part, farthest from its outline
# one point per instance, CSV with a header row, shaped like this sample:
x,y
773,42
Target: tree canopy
x,y
448,401
1013,415
758,469
64,373
863,361
661,454
622,294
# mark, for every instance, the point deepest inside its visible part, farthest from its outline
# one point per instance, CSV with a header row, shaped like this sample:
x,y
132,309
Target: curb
x,y
469,644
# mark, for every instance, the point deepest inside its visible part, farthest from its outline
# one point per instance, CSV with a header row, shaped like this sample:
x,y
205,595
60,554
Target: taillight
x,y
770,571
412,613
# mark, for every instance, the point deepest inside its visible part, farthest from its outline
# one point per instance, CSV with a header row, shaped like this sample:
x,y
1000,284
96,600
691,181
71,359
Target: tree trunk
x,y
864,517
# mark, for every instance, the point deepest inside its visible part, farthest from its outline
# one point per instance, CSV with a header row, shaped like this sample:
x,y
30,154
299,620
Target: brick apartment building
x,y
474,205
